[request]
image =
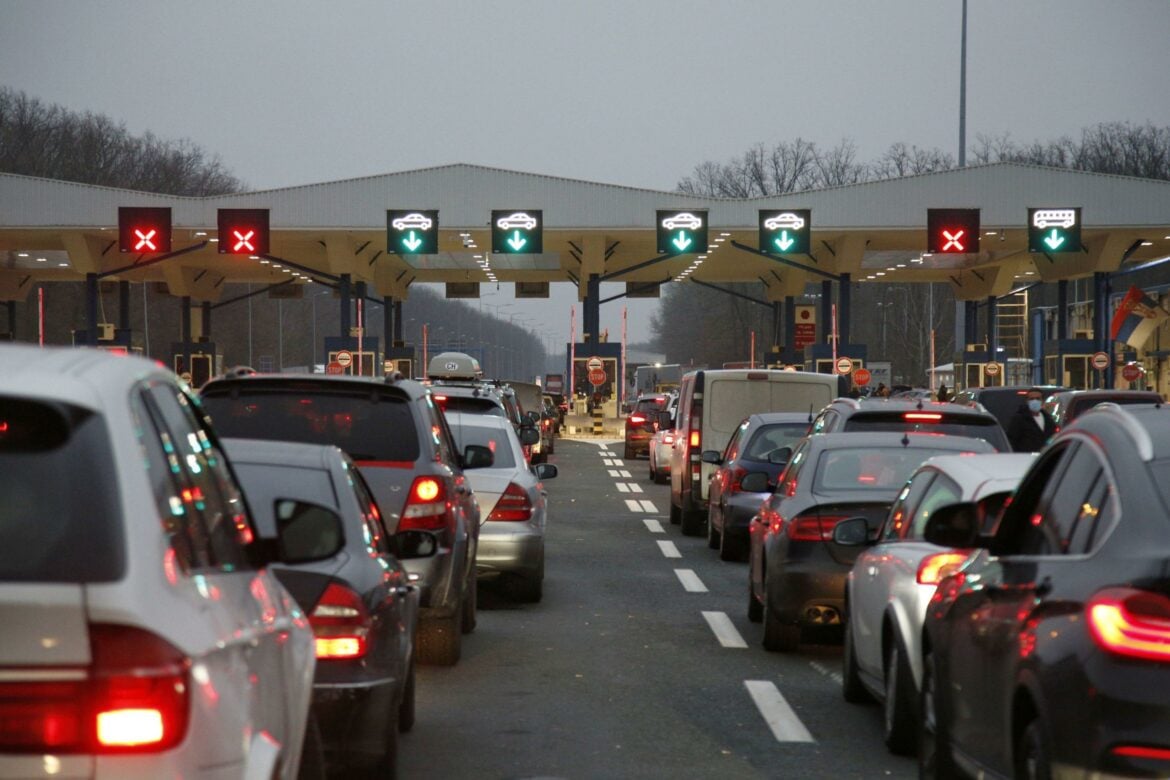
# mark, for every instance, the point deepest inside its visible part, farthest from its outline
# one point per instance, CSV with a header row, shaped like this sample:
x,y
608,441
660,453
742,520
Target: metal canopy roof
x,y
58,231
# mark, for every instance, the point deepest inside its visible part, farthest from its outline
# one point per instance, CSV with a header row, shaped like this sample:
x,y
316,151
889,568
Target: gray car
x,y
512,505
360,603
892,581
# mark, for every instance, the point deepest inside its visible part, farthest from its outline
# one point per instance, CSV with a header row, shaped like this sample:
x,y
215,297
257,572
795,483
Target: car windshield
x,y
869,468
367,427
773,437
49,533
494,439
969,425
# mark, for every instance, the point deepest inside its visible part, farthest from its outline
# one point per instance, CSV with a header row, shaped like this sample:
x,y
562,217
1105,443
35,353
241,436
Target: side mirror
x,y
479,457
851,532
754,482
711,456
780,456
545,470
953,525
306,532
529,435
413,544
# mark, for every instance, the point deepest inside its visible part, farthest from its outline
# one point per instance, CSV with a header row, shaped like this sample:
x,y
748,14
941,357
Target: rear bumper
x,y
355,719
800,589
516,551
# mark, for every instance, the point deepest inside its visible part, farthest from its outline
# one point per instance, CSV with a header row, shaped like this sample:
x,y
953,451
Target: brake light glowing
x,y
513,505
426,489
668,438
129,728
637,419
695,439
1131,622
340,623
922,416
1142,751
934,568
426,506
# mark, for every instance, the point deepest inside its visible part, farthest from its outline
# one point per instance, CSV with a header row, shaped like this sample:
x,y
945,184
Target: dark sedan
x,y
797,572
761,444
1048,653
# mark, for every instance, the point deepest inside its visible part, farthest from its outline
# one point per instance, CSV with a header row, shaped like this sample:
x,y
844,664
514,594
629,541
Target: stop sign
x,y
596,376
1131,372
861,377
335,368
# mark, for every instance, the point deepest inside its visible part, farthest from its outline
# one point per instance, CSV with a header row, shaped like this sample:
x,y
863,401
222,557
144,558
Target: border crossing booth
x,y
367,361
819,357
586,355
977,367
400,358
204,361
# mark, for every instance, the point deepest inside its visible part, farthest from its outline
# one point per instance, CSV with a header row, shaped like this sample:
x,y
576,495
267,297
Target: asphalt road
x,y
619,671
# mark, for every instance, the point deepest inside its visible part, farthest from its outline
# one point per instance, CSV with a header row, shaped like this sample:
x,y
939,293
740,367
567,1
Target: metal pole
x,y
963,92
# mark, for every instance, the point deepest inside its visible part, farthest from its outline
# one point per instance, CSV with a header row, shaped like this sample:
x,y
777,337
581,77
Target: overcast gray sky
x,y
633,92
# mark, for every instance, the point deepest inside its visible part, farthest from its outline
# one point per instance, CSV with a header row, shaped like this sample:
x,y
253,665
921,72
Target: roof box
x,y
454,365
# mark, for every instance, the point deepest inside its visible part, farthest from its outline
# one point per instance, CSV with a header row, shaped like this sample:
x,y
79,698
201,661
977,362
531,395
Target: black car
x,y
1050,649
797,571
400,441
356,593
906,414
1066,406
1003,401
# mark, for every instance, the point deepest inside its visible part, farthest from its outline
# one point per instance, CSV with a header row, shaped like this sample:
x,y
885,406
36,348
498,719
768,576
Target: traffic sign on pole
x,y
991,369
344,358
597,377
595,364
844,365
334,368
1100,360
1131,372
861,377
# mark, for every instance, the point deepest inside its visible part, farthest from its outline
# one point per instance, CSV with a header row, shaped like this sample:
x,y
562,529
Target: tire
x,y
529,590
713,536
778,636
899,724
440,642
312,765
755,610
406,707
653,474
629,455
934,749
470,600
675,515
692,522
730,548
551,448
662,478
1033,755
851,687
383,766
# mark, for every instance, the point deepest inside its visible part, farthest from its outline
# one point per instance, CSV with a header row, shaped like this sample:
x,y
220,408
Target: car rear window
x,y
647,405
59,510
976,427
455,403
1081,405
772,437
368,426
869,468
494,439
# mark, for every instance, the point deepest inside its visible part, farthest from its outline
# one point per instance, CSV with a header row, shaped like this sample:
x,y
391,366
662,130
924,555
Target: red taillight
x,y
668,438
933,568
637,419
922,416
695,440
1141,751
134,698
513,505
1134,623
341,624
813,528
735,477
426,506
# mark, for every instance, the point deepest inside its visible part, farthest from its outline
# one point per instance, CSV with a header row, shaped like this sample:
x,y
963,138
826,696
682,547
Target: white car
x,y
518,220
141,636
513,505
685,220
412,222
1061,218
786,220
892,581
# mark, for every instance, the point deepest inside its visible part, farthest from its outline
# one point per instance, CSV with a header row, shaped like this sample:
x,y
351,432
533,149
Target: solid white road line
x,y
648,507
622,487
653,525
690,581
669,550
633,505
724,629
779,716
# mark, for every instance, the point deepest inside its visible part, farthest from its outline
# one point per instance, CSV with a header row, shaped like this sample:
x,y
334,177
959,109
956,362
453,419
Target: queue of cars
x,y
981,595
247,606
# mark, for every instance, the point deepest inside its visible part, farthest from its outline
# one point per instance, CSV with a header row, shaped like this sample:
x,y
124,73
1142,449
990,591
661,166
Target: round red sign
x,y
1100,360
334,368
844,365
861,377
1131,372
344,358
991,369
596,376
595,364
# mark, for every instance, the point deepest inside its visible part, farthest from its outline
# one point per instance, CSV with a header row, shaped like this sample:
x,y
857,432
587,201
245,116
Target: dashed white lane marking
x,y
784,722
608,462
633,505
669,550
653,525
614,473
605,453
634,487
648,507
624,473
724,629
690,581
834,676
622,487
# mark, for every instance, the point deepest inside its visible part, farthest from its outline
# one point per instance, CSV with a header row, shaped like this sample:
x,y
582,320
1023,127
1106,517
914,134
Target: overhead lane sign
x,y
785,232
1052,230
144,229
681,232
518,232
243,231
952,231
412,232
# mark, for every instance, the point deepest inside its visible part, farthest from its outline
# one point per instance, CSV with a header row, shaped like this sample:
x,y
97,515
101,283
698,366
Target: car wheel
x,y
713,536
755,608
731,548
898,708
934,749
692,522
1033,755
551,448
385,764
529,590
663,478
851,687
312,752
629,452
675,515
406,708
440,641
778,636
653,473
470,599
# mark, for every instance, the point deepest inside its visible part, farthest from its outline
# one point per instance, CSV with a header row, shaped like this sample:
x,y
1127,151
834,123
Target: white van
x,y
711,404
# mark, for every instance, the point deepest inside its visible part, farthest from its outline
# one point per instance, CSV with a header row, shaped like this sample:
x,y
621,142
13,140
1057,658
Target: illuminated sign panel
x,y
412,232
144,229
243,232
952,231
1052,230
785,232
681,232
518,232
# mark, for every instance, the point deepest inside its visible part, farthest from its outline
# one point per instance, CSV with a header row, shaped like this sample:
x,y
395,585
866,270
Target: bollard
x,y
597,412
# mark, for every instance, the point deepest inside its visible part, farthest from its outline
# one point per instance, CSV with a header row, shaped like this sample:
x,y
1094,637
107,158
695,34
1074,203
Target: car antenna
x,y
905,440
810,414
920,404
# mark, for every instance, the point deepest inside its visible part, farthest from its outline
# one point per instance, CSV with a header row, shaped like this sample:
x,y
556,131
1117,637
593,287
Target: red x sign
x,y
243,241
952,231
144,229
952,241
243,231
145,244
